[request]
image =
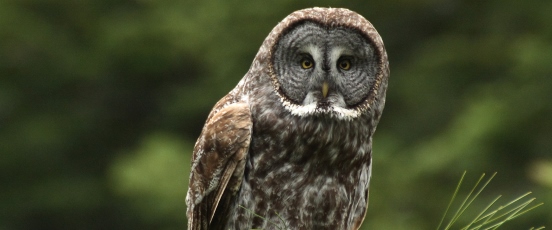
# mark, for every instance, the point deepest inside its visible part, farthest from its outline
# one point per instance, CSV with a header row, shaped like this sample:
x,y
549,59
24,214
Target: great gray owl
x,y
290,147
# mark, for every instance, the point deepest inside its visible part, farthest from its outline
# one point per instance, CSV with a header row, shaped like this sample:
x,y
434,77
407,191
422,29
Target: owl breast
x,y
309,172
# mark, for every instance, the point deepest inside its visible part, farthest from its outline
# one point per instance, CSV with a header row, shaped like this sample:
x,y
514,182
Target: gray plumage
x,y
292,142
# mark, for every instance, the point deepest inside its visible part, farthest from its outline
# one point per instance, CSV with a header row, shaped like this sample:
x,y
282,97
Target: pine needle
x,y
452,199
487,219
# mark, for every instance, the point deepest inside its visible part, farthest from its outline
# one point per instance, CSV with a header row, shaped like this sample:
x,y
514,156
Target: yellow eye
x,y
306,63
344,64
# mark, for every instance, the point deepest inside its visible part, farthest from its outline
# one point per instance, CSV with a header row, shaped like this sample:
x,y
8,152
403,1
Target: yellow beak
x,y
325,88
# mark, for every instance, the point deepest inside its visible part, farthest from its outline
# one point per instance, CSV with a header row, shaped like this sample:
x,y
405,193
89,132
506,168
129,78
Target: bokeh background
x,y
101,103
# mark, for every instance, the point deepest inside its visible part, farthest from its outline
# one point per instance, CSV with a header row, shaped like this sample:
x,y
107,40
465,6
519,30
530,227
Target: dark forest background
x,y
101,102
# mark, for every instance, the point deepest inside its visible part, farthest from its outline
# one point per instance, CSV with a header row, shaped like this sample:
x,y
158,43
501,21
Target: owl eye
x,y
344,64
306,63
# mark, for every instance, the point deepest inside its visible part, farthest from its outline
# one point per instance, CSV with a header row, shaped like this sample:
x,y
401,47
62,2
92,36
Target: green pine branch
x,y
487,219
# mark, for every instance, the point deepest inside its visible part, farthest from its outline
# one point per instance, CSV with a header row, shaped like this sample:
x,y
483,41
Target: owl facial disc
x,y
324,70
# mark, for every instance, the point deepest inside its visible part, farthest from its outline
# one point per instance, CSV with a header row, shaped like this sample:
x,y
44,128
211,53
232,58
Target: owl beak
x,y
325,88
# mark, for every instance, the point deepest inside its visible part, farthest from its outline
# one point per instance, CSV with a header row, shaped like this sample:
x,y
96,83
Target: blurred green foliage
x,y
101,102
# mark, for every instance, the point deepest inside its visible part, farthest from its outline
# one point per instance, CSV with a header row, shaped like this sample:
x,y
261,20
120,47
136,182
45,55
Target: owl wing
x,y
218,162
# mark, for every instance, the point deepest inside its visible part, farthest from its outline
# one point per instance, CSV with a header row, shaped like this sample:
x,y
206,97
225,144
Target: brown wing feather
x,y
218,162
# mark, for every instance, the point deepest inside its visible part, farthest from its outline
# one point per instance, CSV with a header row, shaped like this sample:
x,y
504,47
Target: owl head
x,y
327,62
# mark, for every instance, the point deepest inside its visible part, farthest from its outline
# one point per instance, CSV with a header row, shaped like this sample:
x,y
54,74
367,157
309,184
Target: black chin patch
x,y
323,103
